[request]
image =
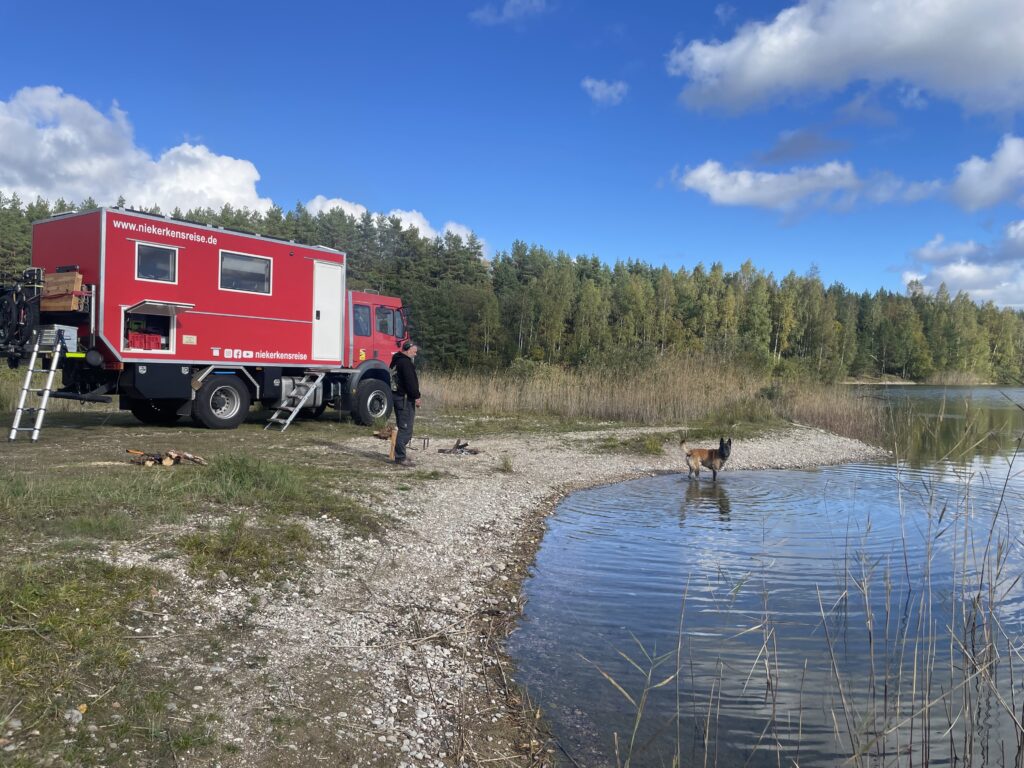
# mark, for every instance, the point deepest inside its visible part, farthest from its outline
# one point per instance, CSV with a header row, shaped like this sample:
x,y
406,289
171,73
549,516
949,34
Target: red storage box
x,y
143,340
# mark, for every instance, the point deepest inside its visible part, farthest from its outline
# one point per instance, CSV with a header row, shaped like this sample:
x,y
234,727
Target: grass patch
x,y
356,516
67,643
267,551
505,464
429,474
80,502
118,502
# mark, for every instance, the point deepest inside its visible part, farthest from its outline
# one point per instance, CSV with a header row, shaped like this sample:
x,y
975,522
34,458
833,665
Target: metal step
x,y
308,385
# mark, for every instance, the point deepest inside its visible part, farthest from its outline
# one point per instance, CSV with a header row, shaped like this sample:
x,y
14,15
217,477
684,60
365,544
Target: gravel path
x,y
391,654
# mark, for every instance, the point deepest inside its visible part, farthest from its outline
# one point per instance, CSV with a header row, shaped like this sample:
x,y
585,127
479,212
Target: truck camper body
x,y
180,319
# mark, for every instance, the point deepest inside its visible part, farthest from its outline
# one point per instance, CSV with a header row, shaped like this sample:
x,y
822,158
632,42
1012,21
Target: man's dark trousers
x,y
405,415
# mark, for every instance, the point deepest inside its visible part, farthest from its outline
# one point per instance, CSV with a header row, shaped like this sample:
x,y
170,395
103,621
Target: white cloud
x,y
464,232
510,10
887,188
911,277
415,220
1015,234
968,51
778,191
1002,285
410,219
603,92
833,184
938,250
911,98
981,183
724,12
53,144
321,204
987,272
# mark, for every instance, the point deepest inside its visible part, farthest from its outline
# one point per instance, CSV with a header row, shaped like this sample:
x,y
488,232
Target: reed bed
x,y
957,379
671,390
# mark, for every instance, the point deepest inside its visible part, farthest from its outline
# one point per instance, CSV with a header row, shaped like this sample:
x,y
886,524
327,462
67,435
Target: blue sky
x,y
879,141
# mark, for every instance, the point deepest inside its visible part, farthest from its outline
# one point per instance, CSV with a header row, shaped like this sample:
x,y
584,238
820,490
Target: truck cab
x,y
379,327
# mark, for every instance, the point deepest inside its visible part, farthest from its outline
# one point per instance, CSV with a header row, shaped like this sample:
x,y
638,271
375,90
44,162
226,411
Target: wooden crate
x,y
59,292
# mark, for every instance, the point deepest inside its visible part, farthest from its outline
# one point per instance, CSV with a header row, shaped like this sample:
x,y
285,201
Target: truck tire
x,y
159,412
373,401
221,403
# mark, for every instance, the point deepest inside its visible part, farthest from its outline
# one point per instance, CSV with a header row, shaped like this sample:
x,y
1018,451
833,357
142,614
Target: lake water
x,y
870,612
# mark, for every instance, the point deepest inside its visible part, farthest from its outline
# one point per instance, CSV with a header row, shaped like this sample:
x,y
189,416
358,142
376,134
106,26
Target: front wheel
x,y
373,401
221,403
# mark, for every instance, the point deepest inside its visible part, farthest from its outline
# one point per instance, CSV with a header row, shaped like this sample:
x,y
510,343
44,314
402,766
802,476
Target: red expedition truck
x,y
181,319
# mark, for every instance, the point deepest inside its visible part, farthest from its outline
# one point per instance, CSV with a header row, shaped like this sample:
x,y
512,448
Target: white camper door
x,y
328,303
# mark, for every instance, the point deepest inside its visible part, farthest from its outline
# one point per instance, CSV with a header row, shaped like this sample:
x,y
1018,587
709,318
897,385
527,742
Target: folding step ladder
x,y
295,401
39,411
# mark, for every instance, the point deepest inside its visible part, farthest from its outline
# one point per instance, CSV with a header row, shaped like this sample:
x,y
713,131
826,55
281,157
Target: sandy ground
x,y
389,653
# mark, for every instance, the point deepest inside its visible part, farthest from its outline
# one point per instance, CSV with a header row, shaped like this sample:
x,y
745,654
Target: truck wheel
x,y
162,412
221,403
373,401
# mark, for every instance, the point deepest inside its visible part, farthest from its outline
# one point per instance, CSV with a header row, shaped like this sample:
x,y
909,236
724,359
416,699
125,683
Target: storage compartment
x,y
48,336
62,292
147,332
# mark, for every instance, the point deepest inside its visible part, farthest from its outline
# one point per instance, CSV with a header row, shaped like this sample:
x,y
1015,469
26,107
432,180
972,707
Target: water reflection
x,y
952,423
702,498
811,616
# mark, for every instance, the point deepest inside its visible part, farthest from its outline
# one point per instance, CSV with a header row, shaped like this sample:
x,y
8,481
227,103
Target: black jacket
x,y
405,376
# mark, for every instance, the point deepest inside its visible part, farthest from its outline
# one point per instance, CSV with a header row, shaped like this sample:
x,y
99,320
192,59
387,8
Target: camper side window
x,y
155,263
361,320
239,272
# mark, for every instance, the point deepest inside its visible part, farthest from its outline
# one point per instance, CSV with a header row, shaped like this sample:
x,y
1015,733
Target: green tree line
x,y
533,304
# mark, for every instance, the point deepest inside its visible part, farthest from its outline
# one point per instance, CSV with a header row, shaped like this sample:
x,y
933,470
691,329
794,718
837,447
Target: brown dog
x,y
712,458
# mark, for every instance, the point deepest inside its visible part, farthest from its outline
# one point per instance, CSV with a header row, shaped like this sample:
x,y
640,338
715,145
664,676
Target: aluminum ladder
x,y
295,401
39,411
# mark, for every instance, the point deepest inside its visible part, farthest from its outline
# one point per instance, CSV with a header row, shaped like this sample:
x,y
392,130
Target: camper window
x,y
153,262
239,272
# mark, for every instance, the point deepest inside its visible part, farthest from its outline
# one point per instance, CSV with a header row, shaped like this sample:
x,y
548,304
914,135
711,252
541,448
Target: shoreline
x,y
393,653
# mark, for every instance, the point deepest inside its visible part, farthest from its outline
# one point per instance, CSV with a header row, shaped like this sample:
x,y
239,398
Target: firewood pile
x,y
461,448
165,459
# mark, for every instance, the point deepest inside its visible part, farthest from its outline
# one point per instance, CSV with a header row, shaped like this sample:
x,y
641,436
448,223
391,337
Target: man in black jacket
x,y
406,395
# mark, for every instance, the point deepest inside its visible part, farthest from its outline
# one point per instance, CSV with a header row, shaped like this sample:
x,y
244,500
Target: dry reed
x,y
669,391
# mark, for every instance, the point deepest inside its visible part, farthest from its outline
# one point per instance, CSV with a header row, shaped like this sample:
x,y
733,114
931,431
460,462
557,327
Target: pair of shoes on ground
x,y
404,462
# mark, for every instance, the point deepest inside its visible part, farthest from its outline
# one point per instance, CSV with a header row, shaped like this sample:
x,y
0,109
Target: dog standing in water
x,y
712,458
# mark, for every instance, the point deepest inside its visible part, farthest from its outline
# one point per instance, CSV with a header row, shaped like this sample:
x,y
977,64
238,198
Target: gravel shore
x,y
391,652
